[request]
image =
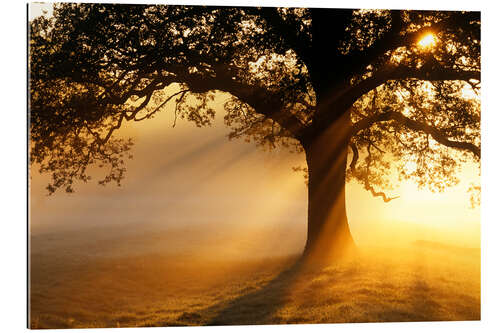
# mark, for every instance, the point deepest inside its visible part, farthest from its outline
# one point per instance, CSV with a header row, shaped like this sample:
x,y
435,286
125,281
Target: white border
x,y
13,168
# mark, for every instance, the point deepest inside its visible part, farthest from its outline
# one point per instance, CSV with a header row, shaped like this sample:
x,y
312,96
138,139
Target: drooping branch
x,y
364,176
434,132
355,156
379,194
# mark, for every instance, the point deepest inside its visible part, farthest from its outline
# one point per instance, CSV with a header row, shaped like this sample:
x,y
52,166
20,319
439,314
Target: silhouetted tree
x,y
389,88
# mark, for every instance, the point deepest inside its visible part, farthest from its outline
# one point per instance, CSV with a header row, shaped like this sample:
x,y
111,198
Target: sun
x,y
428,41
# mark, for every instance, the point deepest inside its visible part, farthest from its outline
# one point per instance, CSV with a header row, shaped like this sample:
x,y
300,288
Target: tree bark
x,y
328,234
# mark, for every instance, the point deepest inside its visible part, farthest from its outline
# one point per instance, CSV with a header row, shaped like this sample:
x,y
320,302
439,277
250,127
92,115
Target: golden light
x,y
428,41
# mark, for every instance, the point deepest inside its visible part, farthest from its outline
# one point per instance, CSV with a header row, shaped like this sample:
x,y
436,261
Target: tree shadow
x,y
260,306
254,308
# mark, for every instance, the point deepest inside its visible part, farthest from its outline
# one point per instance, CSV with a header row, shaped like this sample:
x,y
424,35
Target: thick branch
x,y
260,99
436,134
391,72
344,98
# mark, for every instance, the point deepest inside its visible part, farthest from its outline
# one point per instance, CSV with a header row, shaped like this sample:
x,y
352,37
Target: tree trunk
x,y
328,235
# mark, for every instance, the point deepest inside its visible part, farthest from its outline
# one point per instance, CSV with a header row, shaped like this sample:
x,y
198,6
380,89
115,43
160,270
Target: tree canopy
x,y
409,82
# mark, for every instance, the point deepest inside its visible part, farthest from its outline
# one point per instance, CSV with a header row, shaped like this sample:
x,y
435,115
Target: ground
x,y
111,279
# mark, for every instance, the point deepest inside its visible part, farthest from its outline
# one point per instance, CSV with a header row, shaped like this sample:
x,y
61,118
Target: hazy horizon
x,y
185,175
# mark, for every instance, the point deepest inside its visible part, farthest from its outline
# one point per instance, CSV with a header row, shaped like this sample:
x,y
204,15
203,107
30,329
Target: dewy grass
x,y
102,285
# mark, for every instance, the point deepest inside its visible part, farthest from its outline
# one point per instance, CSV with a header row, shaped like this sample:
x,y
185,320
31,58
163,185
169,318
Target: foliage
x,y
290,71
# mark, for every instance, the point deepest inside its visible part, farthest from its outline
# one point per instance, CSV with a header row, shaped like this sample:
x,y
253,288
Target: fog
x,y
185,176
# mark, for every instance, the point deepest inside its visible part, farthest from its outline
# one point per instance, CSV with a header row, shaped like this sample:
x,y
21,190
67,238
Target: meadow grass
x,y
118,282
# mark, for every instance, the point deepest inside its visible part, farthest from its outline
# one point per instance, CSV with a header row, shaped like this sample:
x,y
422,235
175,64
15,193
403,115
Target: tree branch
x,y
150,114
364,177
391,72
434,132
379,194
260,99
392,39
355,156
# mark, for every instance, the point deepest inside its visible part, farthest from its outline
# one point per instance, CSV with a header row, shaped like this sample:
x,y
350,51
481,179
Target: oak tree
x,y
361,92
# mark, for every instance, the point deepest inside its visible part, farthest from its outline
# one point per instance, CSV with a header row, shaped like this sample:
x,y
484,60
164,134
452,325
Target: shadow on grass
x,y
260,306
256,307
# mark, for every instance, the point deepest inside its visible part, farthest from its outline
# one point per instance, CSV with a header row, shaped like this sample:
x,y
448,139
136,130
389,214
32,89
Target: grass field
x,y
124,279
